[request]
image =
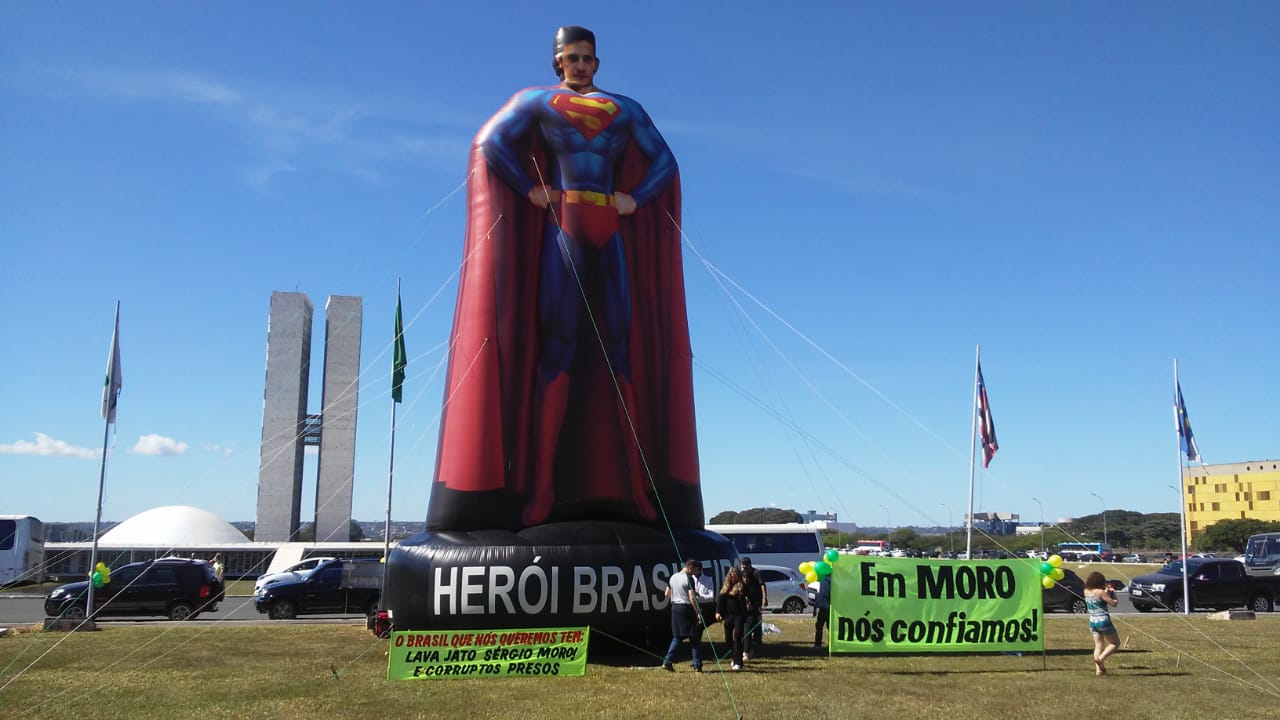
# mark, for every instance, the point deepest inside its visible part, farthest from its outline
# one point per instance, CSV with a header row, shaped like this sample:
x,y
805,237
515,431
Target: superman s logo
x,y
589,116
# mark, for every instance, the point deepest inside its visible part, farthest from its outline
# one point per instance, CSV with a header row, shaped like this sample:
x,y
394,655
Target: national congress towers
x,y
287,427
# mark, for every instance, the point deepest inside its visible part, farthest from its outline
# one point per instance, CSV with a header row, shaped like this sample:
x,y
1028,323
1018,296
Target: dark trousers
x,y
685,624
735,635
820,625
695,645
754,632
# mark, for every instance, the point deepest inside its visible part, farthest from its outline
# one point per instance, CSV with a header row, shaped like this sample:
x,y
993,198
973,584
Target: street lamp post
x,y
951,539
1104,517
1041,524
886,521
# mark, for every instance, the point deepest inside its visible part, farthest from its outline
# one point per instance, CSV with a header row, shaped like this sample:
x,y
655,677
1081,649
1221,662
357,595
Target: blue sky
x,y
1087,190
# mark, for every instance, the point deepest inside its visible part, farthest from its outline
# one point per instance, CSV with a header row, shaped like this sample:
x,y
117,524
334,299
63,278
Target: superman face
x,y
579,63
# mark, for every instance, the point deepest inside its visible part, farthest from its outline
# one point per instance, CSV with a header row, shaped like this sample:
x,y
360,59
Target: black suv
x,y
177,588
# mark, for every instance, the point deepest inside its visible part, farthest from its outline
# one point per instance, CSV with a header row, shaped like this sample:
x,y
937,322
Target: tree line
x,y
1126,530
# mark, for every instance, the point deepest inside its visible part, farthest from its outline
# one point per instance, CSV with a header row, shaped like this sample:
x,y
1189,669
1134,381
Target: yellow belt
x,y
588,197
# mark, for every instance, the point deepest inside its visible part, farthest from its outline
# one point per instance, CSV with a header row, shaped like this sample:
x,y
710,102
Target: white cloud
x,y
219,450
158,445
295,130
45,445
856,185
259,178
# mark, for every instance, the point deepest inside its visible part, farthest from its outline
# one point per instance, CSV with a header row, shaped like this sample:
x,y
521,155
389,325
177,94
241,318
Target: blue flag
x,y
1185,438
111,386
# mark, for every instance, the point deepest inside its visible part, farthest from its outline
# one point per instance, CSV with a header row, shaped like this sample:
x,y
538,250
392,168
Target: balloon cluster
x,y
815,571
1051,571
101,575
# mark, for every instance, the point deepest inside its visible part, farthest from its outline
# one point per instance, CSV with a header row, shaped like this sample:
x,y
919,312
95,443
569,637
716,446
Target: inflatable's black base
x,y
610,576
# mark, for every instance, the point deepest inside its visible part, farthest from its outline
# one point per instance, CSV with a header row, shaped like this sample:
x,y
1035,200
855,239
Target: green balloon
x,y
822,568
1045,568
832,555
97,579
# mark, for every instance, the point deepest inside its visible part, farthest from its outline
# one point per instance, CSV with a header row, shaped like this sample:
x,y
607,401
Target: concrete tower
x,y
339,400
284,416
287,427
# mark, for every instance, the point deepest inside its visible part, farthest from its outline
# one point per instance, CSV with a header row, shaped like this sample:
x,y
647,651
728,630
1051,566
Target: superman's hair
x,y
564,36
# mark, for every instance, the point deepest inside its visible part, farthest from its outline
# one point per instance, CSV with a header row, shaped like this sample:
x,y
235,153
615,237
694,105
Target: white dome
x,y
173,526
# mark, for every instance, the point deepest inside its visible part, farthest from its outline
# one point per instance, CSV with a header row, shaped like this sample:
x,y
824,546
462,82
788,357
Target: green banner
x,y
487,653
883,605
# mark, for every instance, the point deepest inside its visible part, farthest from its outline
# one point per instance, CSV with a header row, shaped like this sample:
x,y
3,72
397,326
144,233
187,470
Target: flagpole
x,y
973,435
1182,488
97,517
108,416
396,389
386,530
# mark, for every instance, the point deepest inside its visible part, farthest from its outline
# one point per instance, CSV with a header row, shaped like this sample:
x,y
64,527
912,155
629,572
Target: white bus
x,y
1085,551
1262,554
21,550
787,545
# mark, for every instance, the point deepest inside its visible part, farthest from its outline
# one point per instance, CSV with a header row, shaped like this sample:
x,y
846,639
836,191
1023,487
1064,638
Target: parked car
x,y
1134,558
785,587
1067,595
176,588
293,572
339,586
1217,583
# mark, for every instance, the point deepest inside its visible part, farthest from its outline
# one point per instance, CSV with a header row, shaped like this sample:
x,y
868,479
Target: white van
x,y
786,544
1262,554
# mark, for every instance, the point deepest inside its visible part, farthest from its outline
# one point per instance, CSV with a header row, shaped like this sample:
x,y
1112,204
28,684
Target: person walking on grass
x,y
731,609
757,597
1098,599
822,603
686,591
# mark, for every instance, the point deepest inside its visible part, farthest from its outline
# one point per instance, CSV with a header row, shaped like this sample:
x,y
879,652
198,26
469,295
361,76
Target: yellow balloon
x,y
1055,560
100,566
1047,581
1057,574
806,566
811,577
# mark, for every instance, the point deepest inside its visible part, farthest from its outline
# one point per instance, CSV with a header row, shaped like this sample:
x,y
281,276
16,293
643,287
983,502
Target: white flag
x,y
111,386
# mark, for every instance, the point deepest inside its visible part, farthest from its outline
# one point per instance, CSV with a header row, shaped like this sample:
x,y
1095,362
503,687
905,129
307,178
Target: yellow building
x,y
1231,491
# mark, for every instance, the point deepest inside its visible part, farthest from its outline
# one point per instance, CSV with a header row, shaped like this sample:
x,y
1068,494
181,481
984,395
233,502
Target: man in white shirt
x,y
686,589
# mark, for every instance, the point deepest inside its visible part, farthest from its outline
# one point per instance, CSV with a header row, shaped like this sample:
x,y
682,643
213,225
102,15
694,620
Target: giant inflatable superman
x,y
569,392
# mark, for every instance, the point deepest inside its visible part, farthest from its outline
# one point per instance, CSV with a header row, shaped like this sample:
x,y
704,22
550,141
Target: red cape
x,y
485,458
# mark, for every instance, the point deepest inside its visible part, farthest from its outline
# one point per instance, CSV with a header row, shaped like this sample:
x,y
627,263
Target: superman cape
x,y
486,453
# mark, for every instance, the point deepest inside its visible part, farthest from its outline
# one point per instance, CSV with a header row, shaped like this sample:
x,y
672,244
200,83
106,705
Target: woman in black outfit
x,y
731,609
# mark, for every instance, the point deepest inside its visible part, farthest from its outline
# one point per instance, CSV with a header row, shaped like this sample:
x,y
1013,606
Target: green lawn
x,y
1170,667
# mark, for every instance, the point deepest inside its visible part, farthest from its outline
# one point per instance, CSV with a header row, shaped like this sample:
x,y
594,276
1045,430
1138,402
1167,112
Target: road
x,y
29,610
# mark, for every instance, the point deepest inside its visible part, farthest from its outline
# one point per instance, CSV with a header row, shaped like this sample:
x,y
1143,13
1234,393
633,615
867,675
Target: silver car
x,y
291,573
785,588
